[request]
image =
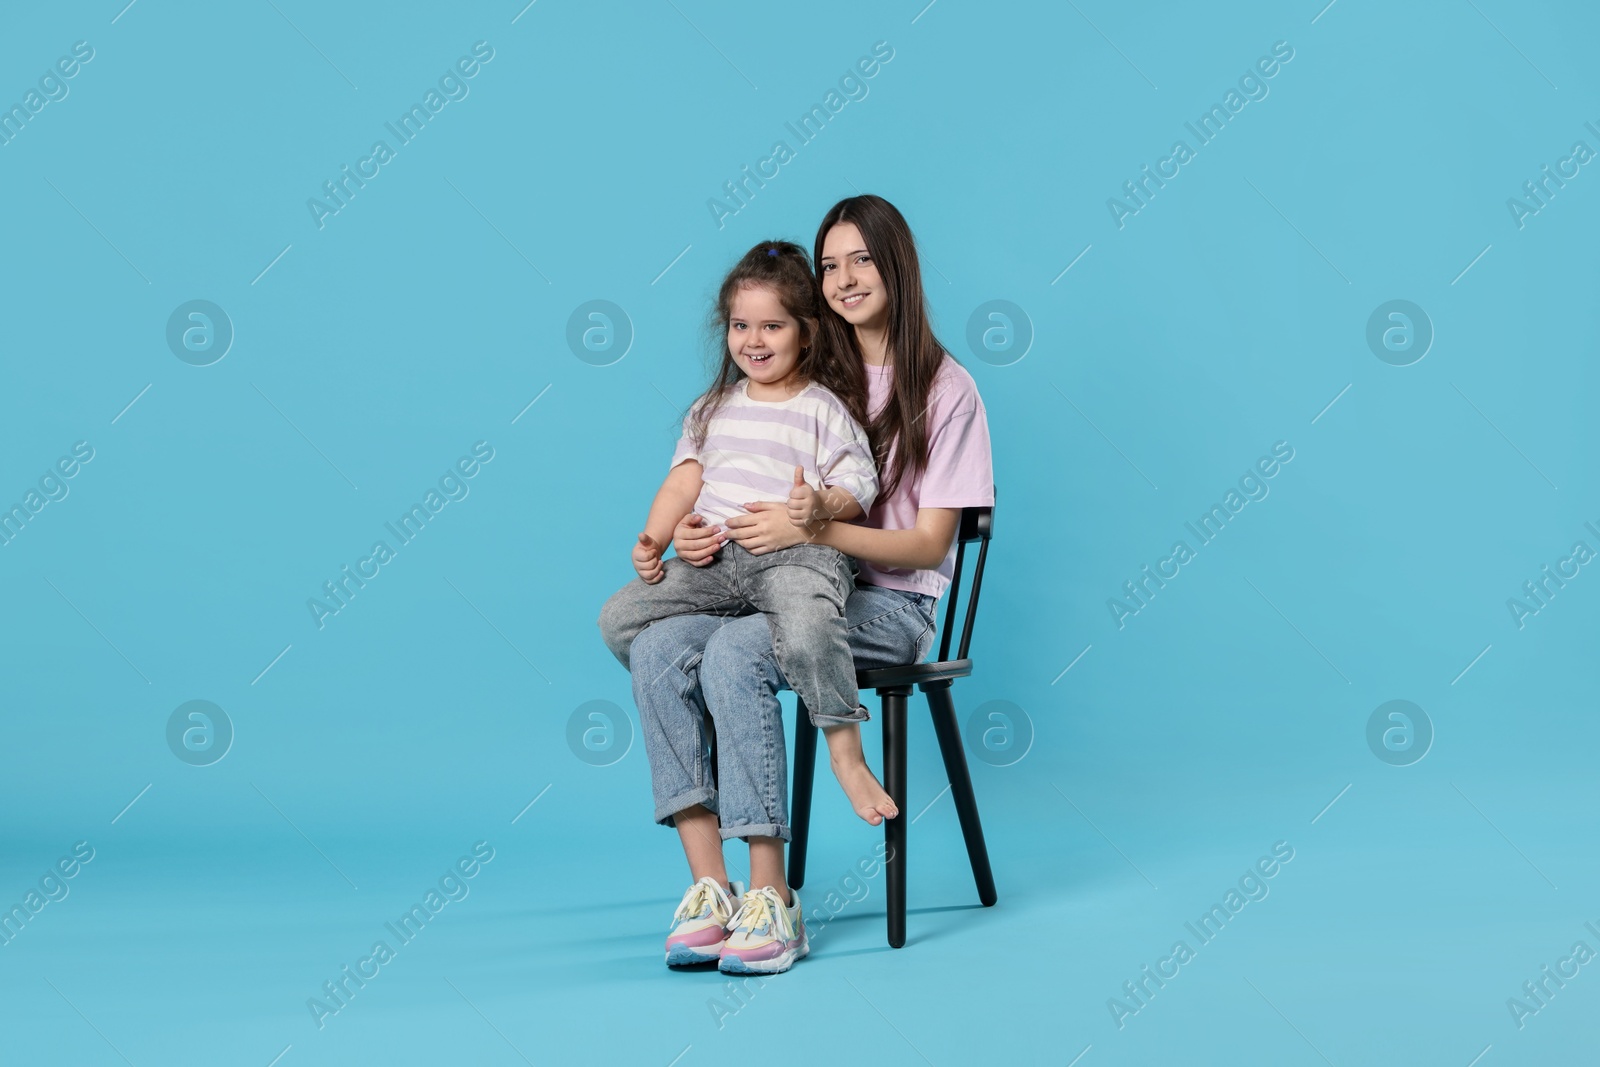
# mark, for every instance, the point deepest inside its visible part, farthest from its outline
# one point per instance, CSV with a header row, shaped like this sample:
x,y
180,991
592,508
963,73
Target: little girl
x,y
768,426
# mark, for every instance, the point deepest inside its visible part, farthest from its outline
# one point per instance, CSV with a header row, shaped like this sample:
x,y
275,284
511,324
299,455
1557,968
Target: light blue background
x,y
426,715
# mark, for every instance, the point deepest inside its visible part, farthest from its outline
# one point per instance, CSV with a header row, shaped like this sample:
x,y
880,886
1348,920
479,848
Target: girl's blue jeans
x,y
801,590
690,665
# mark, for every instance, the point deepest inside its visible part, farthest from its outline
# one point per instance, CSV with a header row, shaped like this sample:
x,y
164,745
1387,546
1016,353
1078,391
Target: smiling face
x,y
850,280
765,342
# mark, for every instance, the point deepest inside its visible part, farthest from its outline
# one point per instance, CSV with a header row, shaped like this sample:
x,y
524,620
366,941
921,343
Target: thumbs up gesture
x,y
803,501
647,559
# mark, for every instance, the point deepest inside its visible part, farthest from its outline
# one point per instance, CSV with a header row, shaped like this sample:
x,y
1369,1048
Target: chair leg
x,y
955,766
894,830
711,734
805,766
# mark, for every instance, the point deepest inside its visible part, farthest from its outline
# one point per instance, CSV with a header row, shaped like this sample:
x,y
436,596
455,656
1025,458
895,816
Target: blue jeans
x,y
801,591
690,665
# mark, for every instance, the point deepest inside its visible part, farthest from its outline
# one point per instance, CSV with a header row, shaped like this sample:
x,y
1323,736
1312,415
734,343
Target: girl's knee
x,y
619,625
738,647
615,640
650,651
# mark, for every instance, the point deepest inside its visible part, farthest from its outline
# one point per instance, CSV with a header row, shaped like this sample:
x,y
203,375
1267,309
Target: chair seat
x,y
914,673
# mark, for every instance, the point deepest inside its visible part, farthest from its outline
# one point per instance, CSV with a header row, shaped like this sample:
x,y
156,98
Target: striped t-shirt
x,y
753,446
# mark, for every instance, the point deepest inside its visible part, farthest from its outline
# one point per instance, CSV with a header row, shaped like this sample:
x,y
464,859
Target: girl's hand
x,y
647,559
696,542
804,504
765,529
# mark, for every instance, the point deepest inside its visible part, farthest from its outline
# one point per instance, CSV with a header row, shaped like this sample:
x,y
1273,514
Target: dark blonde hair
x,y
782,268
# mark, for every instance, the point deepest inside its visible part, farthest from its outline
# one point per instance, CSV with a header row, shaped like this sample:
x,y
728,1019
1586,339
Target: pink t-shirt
x,y
960,470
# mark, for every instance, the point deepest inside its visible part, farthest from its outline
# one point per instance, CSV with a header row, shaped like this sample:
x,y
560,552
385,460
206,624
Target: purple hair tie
x,y
772,251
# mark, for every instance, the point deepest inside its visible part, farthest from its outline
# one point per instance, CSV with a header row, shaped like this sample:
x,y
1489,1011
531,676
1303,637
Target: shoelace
x,y
762,908
700,897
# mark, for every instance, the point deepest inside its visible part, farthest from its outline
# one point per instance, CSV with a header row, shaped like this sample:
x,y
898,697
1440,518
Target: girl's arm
x,y
674,500
768,528
920,547
810,508
923,547
835,503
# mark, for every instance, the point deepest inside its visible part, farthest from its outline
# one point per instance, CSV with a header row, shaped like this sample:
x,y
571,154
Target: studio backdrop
x,y
344,346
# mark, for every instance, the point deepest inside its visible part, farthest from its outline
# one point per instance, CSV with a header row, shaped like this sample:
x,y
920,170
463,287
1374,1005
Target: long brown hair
x,y
899,432
782,268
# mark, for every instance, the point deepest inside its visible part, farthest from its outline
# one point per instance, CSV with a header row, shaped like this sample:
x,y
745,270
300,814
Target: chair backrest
x,y
977,524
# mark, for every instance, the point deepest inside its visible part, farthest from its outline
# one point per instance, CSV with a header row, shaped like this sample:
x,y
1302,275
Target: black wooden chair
x,y
893,685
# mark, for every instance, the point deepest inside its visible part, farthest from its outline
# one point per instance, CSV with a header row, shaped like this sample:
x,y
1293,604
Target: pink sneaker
x,y
766,936
700,925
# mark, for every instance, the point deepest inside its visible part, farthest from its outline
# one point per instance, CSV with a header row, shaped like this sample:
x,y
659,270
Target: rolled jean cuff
x,y
703,795
755,829
861,715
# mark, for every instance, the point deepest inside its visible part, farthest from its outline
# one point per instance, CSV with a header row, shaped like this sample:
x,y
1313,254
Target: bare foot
x,y
871,801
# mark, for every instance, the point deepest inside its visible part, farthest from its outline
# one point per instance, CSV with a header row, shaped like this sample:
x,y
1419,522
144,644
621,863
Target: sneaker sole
x,y
730,964
685,956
